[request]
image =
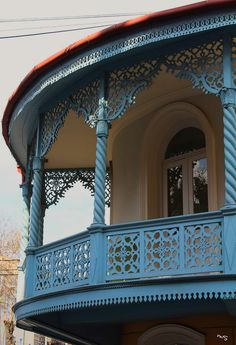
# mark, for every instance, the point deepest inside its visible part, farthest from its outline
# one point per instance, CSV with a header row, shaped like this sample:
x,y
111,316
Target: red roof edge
x,y
96,38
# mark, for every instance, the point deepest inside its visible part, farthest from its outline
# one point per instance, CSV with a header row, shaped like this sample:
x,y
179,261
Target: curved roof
x,y
103,36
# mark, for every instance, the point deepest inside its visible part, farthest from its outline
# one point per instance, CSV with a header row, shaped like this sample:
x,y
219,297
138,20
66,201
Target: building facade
x,y
143,115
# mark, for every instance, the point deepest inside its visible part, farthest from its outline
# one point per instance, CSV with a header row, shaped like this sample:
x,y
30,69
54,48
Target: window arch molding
x,y
171,334
167,122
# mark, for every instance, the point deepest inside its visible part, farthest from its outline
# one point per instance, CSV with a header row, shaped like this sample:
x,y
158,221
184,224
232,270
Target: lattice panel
x,y
53,120
203,65
125,83
162,250
85,100
81,261
58,181
123,254
234,60
44,271
62,266
203,245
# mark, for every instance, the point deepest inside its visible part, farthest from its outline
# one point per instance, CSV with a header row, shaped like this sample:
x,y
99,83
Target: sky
x,y
18,56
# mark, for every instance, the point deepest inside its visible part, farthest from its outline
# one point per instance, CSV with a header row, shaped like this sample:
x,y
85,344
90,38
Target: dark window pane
x,y
200,197
175,191
187,140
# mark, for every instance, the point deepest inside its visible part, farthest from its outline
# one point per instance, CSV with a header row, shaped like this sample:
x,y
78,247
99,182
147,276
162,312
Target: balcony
x,y
164,248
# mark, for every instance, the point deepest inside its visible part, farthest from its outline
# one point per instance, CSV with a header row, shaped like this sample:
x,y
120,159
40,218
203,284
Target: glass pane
x,y
175,190
200,197
187,140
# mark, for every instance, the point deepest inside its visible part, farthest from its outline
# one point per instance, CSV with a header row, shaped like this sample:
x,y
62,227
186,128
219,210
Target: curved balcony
x,y
170,259
179,246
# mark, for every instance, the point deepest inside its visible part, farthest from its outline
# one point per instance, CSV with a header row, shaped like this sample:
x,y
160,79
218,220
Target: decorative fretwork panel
x,y
123,254
234,60
85,100
125,83
62,266
161,250
44,271
203,245
203,65
53,120
58,181
81,261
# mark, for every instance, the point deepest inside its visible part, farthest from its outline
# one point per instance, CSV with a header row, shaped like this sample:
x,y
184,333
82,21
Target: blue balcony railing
x,y
186,245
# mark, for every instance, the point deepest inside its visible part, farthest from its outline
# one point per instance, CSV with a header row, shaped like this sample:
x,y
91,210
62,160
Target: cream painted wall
x,y
138,152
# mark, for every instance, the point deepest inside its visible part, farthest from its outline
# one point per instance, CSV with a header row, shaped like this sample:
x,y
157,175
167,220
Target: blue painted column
x,y
97,246
228,100
101,160
35,229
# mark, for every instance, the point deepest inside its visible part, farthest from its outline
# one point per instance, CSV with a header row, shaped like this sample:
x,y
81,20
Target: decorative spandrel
x,y
85,100
203,65
234,61
58,181
125,83
53,120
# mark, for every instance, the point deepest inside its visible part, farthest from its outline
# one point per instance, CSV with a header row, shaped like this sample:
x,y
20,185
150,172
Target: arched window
x,y
171,334
185,173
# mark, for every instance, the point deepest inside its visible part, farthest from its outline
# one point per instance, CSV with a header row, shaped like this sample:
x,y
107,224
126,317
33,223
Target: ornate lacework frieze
x,y
63,266
125,83
58,181
162,33
203,65
85,100
234,60
53,120
203,245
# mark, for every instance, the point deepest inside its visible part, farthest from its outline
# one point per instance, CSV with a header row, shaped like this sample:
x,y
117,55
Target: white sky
x,y
18,56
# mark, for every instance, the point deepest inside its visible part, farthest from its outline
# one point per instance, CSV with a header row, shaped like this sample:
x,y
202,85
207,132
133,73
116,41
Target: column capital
x,y
102,128
37,163
228,97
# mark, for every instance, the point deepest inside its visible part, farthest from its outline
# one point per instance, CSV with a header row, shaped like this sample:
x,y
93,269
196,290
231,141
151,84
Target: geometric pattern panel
x,y
203,245
63,266
81,261
58,181
43,271
123,254
161,250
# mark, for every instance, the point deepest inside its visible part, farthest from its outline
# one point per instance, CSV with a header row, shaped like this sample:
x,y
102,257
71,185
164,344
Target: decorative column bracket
x,y
202,65
123,86
58,181
52,121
